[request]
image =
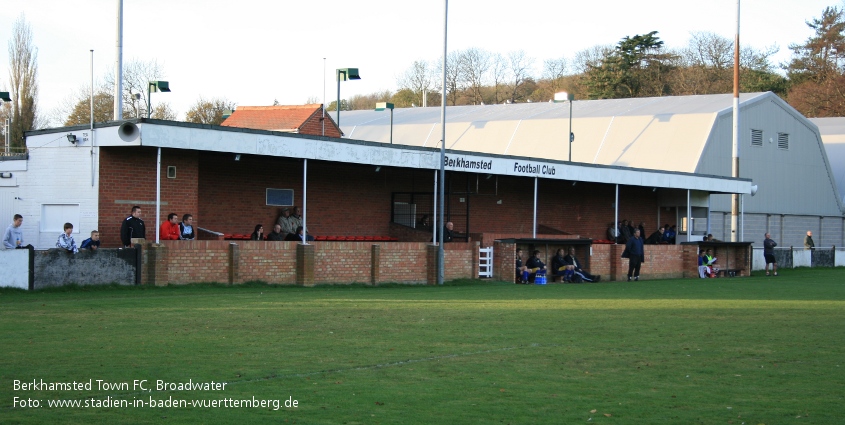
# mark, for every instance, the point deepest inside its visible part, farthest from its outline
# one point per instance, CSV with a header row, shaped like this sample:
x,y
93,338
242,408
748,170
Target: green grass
x,y
750,350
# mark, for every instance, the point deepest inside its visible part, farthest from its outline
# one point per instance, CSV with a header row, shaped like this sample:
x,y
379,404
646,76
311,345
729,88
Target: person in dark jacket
x,y
276,235
635,254
656,237
521,271
186,228
258,234
132,228
561,268
769,254
572,261
534,264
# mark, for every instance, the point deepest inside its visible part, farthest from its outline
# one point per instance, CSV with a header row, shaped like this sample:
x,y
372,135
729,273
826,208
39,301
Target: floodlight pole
x,y
441,257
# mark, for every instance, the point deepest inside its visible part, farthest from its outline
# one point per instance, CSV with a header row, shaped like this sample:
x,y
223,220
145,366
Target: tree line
x,y
640,65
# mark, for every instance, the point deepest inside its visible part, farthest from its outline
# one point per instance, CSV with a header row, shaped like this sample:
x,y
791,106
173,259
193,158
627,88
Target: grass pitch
x,y
749,350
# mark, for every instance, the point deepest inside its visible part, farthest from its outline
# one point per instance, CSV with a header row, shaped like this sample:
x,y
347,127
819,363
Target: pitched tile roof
x,y
274,118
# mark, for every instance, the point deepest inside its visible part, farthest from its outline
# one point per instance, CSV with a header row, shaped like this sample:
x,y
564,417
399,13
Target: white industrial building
x,y
780,150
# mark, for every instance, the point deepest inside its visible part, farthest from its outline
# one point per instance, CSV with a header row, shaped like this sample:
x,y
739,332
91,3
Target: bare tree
x,y
498,77
23,74
418,79
519,68
136,79
554,70
474,68
209,111
453,76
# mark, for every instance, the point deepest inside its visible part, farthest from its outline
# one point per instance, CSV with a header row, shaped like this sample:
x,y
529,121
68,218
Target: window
x,y
783,141
756,137
279,197
54,217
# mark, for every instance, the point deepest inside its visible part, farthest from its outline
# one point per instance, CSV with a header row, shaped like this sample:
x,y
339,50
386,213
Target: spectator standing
x,y
808,241
132,228
91,243
635,254
296,219
287,222
258,233
769,254
186,228
449,233
642,228
13,237
66,241
169,230
625,231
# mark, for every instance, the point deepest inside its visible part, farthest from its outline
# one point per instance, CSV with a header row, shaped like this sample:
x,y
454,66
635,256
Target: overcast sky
x,y
254,51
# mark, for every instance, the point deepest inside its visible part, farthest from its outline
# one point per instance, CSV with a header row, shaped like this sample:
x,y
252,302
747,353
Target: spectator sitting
x,y
186,228
642,228
534,264
276,234
561,268
656,237
669,234
423,222
710,238
169,230
612,232
13,238
298,235
91,243
703,269
66,241
579,272
258,233
711,262
521,271
449,233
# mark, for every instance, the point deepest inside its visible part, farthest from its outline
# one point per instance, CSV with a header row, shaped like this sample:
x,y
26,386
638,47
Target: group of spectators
x,y
13,238
172,229
623,231
288,227
567,266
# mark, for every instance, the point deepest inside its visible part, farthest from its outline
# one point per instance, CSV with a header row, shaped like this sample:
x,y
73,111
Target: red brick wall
x,y
313,125
349,261
128,174
403,262
228,196
460,260
270,262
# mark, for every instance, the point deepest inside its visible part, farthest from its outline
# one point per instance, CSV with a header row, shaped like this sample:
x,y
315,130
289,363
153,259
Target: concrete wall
x,y
56,267
15,264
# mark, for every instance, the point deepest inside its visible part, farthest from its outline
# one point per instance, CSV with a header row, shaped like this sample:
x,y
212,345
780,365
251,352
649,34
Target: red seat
x,y
227,236
331,238
319,238
360,238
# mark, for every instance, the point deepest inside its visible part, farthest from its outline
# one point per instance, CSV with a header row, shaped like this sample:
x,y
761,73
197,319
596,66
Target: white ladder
x,y
485,262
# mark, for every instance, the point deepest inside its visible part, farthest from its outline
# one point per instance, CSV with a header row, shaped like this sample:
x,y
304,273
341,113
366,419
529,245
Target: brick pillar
x,y
431,264
156,264
690,263
234,263
473,274
618,265
375,271
305,265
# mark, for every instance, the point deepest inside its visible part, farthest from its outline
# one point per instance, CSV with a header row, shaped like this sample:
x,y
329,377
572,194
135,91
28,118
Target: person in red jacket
x,y
169,230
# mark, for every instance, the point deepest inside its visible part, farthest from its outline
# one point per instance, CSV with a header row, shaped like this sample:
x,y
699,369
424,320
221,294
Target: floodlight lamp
x,y
4,95
564,96
71,138
348,74
380,106
159,86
